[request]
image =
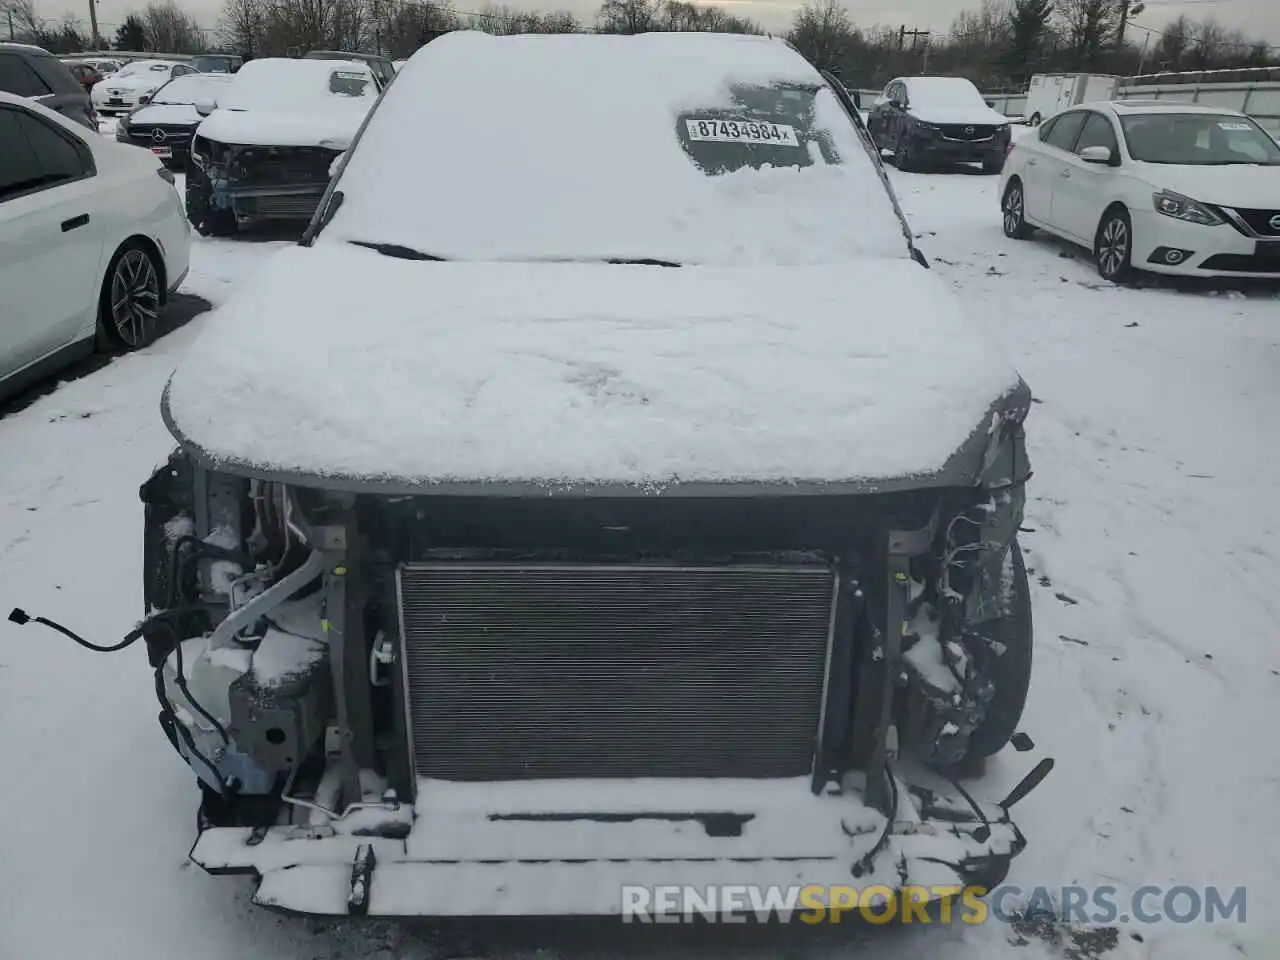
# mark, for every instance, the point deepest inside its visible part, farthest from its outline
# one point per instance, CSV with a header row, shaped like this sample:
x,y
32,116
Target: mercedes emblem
x,y
157,135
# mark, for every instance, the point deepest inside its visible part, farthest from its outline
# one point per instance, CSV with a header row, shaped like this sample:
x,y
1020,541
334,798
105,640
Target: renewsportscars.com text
x,y
1007,903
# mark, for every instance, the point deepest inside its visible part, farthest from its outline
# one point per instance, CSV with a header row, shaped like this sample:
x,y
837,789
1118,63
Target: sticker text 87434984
x,y
742,131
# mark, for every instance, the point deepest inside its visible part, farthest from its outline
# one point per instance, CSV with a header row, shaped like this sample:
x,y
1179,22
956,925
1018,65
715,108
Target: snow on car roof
x,y
371,368
193,87
578,147
279,83
1164,106
138,67
284,103
943,92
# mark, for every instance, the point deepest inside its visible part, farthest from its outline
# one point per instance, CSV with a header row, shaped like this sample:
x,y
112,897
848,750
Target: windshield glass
x,y
1198,139
661,147
190,89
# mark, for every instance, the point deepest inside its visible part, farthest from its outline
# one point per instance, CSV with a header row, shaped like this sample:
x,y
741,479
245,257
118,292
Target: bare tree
x,y
1087,24
171,30
822,31
27,24
242,26
629,16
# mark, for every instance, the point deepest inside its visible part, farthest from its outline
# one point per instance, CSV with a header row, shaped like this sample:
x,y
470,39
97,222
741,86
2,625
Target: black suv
x,y
935,120
383,69
217,63
37,74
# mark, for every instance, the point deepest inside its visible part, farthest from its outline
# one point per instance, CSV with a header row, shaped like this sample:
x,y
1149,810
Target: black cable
x,y
21,618
867,860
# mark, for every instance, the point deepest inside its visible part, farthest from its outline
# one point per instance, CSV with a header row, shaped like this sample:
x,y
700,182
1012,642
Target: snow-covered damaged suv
x,y
265,152
603,492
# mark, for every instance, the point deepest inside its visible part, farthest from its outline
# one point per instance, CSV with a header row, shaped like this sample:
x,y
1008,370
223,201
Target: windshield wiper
x,y
398,251
644,262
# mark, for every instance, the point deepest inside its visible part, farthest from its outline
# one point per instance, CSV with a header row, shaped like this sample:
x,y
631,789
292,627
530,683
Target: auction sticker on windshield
x,y
742,131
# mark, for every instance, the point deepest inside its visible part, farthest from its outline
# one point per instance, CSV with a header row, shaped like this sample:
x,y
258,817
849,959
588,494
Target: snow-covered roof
x,y
579,147
947,92
286,102
387,371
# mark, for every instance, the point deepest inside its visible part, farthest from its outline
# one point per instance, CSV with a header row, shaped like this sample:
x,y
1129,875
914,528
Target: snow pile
x,y
569,147
548,373
283,103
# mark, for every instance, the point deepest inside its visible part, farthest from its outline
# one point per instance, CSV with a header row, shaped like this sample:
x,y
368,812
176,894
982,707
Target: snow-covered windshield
x,y
944,93
148,68
1198,139
192,89
299,85
676,147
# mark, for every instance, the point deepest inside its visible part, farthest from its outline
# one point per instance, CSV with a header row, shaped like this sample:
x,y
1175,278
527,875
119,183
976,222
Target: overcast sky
x,y
1259,18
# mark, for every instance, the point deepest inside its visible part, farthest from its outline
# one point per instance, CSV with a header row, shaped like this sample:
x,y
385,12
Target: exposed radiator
x,y
286,207
528,671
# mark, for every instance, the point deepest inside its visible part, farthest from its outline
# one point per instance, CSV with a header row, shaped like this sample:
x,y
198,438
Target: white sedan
x,y
92,241
1151,185
133,83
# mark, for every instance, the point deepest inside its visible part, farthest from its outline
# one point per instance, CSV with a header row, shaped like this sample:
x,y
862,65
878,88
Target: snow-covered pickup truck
x,y
603,492
265,152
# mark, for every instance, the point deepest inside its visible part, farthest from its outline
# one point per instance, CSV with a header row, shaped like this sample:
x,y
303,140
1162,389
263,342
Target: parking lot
x,y
1151,533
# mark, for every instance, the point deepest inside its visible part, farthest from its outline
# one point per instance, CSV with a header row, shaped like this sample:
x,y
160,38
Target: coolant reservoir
x,y
209,675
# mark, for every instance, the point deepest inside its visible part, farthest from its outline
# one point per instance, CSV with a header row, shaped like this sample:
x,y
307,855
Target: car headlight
x,y
1175,205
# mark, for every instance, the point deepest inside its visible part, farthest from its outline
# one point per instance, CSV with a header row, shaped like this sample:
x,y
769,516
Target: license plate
x,y
742,131
115,101
162,151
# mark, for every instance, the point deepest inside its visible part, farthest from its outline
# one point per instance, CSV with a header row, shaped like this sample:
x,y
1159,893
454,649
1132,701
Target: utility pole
x,y
11,37
1128,8
93,23
915,37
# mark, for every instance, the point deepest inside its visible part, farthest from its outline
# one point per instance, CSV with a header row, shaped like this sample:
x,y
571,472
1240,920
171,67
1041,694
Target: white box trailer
x,y
1050,93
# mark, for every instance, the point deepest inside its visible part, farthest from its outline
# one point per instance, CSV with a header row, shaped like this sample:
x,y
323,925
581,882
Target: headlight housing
x,y
1179,207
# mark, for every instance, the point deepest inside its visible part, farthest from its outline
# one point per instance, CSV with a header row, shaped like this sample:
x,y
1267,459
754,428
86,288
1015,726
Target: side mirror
x,y
1097,155
145,98
205,107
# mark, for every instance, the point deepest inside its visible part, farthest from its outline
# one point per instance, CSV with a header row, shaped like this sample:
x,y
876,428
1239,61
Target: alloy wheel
x,y
1113,247
1013,203
135,298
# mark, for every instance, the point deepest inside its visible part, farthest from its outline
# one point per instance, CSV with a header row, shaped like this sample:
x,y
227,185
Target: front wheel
x,y
902,156
1011,671
1113,246
1015,212
129,307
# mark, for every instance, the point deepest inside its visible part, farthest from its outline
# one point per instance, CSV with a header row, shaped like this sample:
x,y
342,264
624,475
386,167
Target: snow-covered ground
x,y
1153,523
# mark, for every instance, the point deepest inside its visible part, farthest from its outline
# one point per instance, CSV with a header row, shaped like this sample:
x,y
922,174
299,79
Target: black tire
x,y
1013,208
1011,671
131,297
1113,246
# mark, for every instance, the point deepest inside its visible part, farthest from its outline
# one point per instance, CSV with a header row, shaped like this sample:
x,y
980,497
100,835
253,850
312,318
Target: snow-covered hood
x,y
978,115
165,114
133,84
334,128
1235,185
370,369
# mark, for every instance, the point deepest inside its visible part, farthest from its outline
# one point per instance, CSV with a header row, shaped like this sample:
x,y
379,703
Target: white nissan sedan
x,y
1151,185
92,241
134,84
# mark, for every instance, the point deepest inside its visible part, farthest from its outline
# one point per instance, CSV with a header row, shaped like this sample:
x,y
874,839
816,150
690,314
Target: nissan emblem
x,y
1275,223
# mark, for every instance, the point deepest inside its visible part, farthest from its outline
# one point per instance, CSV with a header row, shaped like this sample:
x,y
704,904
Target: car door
x,y
1085,189
50,244
1057,140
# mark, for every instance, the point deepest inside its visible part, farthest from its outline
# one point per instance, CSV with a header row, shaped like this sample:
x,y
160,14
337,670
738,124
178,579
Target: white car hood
x,y
334,128
338,362
977,116
133,84
1237,185
164,113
